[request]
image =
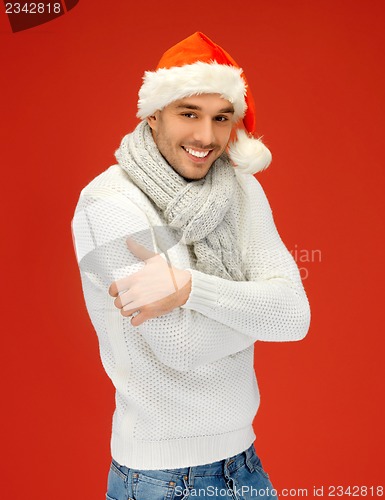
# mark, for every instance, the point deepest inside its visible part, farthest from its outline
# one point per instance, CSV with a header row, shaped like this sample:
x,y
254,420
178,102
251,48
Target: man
x,y
183,270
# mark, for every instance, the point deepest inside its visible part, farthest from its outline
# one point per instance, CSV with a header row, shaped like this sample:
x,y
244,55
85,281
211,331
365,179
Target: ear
x,y
152,121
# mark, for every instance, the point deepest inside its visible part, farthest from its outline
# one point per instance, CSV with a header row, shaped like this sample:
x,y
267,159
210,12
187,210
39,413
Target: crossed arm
x,y
192,318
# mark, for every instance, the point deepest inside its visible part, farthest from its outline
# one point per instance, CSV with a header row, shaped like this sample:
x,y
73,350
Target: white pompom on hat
x,y
197,66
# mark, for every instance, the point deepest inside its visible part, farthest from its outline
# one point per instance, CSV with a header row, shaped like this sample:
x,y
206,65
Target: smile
x,y
197,154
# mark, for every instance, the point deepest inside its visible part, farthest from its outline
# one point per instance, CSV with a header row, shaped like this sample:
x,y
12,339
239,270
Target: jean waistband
x,y
213,469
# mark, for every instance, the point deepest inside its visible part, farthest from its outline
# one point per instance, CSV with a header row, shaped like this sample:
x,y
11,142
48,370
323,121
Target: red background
x,y
68,92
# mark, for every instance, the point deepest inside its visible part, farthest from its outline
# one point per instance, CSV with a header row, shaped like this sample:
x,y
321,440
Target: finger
x,y
139,319
121,285
123,299
128,312
135,305
138,250
113,289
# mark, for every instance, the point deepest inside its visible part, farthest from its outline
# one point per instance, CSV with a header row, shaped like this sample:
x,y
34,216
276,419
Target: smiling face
x,y
191,133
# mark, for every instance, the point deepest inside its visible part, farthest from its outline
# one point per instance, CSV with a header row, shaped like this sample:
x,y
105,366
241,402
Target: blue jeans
x,y
237,477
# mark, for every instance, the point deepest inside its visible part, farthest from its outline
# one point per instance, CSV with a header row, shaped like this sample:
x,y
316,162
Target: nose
x,y
204,132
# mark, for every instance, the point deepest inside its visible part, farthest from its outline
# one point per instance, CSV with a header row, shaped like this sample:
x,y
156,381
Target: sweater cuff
x,y
204,292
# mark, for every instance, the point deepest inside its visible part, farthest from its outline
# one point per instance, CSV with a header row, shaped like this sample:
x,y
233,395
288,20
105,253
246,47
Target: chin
x,y
191,179
198,176
193,172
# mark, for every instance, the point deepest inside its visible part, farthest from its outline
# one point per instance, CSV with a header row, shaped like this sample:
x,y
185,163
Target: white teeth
x,y
198,154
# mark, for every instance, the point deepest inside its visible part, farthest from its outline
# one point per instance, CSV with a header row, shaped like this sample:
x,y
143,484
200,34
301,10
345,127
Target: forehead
x,y
212,103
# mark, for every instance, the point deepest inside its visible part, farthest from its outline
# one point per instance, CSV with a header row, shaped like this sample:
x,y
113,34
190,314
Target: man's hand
x,y
153,291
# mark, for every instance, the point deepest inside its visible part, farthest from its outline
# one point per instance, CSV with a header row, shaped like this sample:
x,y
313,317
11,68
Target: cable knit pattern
x,y
186,392
199,209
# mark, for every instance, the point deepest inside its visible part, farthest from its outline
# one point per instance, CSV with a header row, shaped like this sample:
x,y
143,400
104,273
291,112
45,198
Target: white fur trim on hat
x,y
164,86
249,155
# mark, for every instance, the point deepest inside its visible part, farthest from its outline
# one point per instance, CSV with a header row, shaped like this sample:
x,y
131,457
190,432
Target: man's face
x,y
193,132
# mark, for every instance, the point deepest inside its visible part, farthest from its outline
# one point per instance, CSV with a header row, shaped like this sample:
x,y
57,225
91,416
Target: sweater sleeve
x,y
272,304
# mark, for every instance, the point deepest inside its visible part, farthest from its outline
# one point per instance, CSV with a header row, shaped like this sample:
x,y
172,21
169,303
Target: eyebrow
x,y
229,109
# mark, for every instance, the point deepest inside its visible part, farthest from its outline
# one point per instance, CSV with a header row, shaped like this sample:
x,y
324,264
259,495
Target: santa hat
x,y
196,66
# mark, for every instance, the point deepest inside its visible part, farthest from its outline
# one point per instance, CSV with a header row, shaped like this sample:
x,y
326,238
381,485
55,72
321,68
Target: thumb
x,y
138,250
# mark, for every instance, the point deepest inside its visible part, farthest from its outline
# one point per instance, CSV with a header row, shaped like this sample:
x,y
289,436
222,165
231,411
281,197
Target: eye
x,y
189,115
221,118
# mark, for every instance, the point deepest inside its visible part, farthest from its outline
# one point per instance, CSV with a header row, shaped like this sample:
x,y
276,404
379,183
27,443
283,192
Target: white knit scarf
x,y
198,210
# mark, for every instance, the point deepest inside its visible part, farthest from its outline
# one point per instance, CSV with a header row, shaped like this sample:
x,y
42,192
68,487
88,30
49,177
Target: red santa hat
x,y
196,66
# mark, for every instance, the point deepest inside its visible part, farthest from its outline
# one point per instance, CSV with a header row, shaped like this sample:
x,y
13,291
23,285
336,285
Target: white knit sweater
x,y
186,392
